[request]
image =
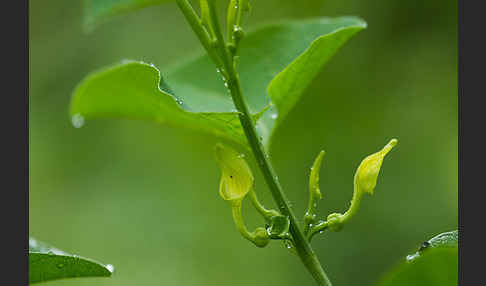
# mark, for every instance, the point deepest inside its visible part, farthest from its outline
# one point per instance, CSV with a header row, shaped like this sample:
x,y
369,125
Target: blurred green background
x,y
144,197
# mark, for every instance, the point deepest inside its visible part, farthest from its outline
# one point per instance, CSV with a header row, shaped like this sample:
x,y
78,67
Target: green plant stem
x,y
267,214
240,13
231,20
201,33
320,227
302,246
238,219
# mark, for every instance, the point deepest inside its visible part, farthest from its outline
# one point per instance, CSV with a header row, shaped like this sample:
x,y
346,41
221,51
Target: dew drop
x,y
60,265
274,116
77,120
288,244
32,242
110,268
424,245
411,257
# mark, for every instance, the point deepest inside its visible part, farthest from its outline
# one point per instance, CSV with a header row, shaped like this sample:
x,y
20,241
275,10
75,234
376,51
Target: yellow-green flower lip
x,y
236,178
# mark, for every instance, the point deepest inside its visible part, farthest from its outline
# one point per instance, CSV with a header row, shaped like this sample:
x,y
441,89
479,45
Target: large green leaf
x,y
135,90
281,59
49,263
276,63
97,11
435,263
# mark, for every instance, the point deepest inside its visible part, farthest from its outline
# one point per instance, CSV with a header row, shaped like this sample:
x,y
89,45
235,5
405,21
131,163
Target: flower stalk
x,y
283,223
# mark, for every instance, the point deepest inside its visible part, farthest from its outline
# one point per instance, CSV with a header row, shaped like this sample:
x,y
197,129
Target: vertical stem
x,y
203,35
231,20
303,248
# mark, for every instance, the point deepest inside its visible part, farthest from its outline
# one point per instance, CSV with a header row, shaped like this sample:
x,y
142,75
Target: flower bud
x,y
335,222
367,172
314,177
365,178
237,178
261,238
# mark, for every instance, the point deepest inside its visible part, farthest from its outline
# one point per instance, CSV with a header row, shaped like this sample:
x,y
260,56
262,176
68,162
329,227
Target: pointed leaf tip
x,y
48,263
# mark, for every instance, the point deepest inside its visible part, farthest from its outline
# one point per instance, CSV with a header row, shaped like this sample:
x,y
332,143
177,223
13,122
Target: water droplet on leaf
x,y
424,245
411,257
77,120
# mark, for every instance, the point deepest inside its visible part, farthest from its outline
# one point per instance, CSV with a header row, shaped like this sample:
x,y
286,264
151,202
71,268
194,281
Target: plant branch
x,y
267,214
303,248
201,33
318,228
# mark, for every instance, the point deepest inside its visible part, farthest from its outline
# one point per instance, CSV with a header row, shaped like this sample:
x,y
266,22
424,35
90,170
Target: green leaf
x,y
49,263
446,239
98,11
276,64
136,90
435,263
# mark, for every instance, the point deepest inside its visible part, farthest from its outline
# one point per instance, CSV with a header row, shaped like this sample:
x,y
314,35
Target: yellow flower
x,y
364,182
367,172
236,179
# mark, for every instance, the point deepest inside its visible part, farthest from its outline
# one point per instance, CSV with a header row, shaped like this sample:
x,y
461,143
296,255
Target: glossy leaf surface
x,y
48,263
434,264
270,58
98,11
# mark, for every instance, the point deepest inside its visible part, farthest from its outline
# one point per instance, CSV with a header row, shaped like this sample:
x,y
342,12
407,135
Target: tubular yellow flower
x,y
367,172
236,179
236,182
364,182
